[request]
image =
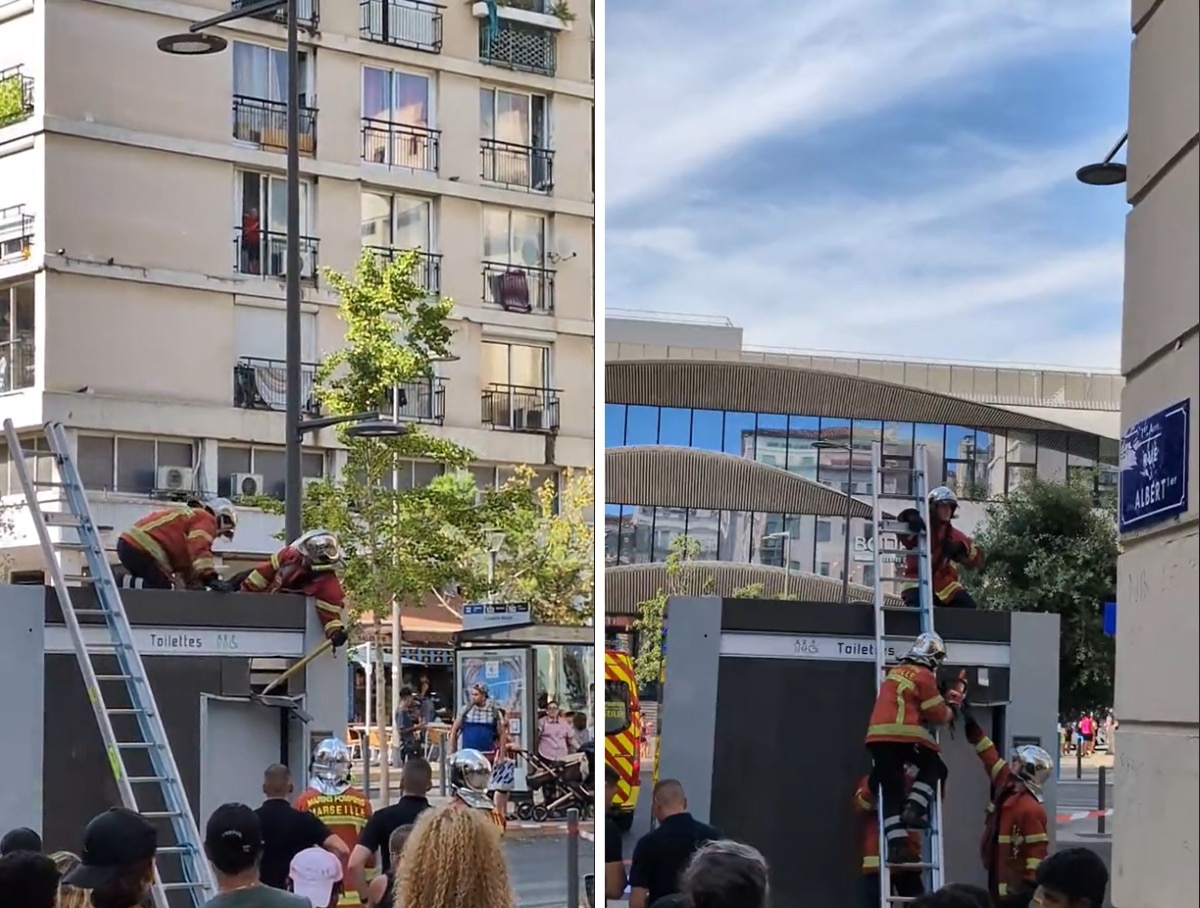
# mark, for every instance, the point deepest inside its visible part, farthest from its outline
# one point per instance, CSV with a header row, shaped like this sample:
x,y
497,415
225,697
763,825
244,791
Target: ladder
x,y
910,482
146,733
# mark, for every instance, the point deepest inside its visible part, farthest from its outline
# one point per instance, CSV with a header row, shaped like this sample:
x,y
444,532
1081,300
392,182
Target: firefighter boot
x,y
915,815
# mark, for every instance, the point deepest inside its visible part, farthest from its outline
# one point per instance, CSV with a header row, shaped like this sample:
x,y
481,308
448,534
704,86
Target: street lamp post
x,y
495,542
786,536
1106,173
831,445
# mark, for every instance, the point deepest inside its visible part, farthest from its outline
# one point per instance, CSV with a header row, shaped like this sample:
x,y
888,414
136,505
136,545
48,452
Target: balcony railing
x,y
264,122
516,166
261,384
16,232
414,24
519,408
418,401
428,271
16,96
400,145
16,365
518,288
515,45
264,253
309,13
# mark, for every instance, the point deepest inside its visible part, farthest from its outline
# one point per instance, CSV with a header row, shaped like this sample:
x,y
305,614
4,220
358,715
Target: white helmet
x,y
320,547
944,495
928,650
330,767
223,510
1033,766
470,772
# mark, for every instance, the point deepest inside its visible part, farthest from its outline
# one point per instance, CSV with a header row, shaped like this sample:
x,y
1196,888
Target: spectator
x,y
28,879
555,735
484,728
233,845
955,895
117,861
407,725
661,855
583,733
20,839
614,858
454,859
287,831
1087,730
726,874
316,875
415,782
1071,878
382,890
69,896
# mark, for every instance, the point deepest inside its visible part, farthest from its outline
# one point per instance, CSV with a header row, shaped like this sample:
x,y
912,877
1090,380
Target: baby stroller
x,y
562,784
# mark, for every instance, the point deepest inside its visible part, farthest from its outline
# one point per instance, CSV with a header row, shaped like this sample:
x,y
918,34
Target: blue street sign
x,y
1154,468
1110,619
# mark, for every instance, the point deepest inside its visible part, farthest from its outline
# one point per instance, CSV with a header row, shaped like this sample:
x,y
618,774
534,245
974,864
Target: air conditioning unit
x,y
246,484
175,479
528,419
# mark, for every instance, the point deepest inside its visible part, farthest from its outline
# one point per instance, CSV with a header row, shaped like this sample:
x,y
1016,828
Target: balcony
x,y
16,365
400,145
516,45
16,96
516,166
264,254
264,123
16,233
518,288
261,384
414,24
309,13
421,401
428,272
518,408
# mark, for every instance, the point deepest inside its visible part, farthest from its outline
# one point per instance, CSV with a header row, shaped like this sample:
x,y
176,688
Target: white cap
x,y
314,873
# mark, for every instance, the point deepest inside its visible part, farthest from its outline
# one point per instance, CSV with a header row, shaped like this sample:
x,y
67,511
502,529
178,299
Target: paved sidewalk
x,y
517,830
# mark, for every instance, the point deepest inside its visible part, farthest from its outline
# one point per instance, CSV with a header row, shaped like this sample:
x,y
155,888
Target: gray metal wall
x,y
22,707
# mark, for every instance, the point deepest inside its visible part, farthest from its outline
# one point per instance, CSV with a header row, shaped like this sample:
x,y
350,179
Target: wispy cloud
x,y
865,177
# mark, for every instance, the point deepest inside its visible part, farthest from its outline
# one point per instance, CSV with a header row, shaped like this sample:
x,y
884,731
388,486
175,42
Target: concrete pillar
x,y
1157,701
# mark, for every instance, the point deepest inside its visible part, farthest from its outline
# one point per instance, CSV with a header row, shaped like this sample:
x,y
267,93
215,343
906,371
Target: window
x,y
16,337
260,97
404,23
262,226
267,462
824,531
392,222
521,365
397,110
514,238
132,465
260,334
515,137
1021,459
40,469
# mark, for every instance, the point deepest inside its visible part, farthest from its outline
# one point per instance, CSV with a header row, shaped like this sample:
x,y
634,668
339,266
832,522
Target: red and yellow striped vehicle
x,y
622,733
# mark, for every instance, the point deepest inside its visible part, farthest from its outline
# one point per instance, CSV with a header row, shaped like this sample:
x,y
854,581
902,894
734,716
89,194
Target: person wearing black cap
x,y
20,839
27,880
117,861
233,844
1071,878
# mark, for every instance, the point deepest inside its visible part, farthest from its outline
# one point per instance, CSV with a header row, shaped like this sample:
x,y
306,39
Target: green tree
x,y
684,578
1051,549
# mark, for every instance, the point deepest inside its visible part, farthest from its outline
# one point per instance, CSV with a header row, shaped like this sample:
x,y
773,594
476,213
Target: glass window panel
x,y
864,433
641,543
933,437
312,464
833,464
1018,474
495,235
959,478
669,523
135,465
739,434
1052,456
824,530
487,113
95,458
625,527
527,365
485,477
771,440
1083,450
375,218
775,542
803,541
801,455
271,464
1022,448
860,558
960,443
230,460
612,533
641,426
732,544
5,484
528,240
897,437
410,99
504,474
708,430
705,526
425,473
614,425
175,453
756,527
1109,451
493,365
675,426
410,223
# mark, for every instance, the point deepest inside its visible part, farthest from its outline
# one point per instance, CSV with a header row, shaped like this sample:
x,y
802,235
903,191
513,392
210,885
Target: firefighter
x,y
335,802
307,567
470,772
948,548
908,705
1015,840
172,549
907,884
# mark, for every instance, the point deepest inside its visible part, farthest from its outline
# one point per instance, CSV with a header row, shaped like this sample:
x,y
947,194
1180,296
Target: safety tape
x,y
1082,815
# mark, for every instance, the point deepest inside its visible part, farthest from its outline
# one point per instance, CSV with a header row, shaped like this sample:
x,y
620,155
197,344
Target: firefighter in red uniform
x,y
307,567
470,772
948,548
1015,841
907,884
172,549
908,705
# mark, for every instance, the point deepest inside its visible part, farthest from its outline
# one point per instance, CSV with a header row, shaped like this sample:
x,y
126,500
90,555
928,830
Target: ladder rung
x,y
145,780
61,519
174,887
905,552
161,814
175,849
48,484
114,677
103,612
898,608
919,865
78,578
137,745
127,711
894,527
28,454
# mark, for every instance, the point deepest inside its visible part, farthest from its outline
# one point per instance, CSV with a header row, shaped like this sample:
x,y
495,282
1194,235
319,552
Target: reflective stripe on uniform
x,y
870,863
328,610
932,702
891,730
256,580
1032,863
140,534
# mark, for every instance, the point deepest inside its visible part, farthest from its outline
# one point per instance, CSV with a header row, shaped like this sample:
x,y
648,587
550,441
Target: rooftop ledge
x,y
479,9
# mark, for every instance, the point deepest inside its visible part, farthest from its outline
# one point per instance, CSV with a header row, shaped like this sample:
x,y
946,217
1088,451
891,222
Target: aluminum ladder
x,y
903,482
145,733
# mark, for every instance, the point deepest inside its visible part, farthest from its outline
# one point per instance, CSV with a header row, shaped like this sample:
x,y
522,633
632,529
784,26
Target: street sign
x,y
478,615
1110,619
1154,468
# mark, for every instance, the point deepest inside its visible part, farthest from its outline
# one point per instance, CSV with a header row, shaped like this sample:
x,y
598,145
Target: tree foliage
x,y
1050,549
684,578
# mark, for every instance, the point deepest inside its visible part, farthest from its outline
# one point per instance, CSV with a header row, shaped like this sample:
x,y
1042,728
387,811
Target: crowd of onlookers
x,y
1087,732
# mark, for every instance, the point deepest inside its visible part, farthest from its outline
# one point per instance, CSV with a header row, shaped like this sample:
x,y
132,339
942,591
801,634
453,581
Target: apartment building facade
x,y
143,217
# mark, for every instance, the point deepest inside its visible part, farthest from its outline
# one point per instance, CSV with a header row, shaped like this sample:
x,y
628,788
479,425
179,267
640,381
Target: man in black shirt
x,y
661,855
287,831
614,860
415,782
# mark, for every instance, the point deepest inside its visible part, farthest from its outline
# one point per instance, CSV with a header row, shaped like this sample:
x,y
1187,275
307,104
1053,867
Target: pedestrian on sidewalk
x,y
1071,878
416,780
287,831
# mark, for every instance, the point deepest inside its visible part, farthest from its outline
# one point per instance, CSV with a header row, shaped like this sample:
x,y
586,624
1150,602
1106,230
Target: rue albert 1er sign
x,y
1154,468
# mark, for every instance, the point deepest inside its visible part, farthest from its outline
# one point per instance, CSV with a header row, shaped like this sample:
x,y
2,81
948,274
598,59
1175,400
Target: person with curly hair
x,y
453,859
70,896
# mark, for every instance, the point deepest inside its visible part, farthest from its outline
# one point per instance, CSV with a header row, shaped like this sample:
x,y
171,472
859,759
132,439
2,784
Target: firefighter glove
x,y
912,519
956,549
335,631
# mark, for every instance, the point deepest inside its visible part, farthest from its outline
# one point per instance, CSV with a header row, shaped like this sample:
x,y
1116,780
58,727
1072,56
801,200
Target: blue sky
x,y
876,176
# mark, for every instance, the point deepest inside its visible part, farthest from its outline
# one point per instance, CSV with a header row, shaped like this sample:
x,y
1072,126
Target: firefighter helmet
x,y
223,510
928,650
320,548
470,772
944,495
330,768
1033,766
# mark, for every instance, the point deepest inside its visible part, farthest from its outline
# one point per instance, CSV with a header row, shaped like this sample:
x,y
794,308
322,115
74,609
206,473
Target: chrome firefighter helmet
x,y
470,772
320,547
224,511
928,650
1033,766
330,767
944,495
